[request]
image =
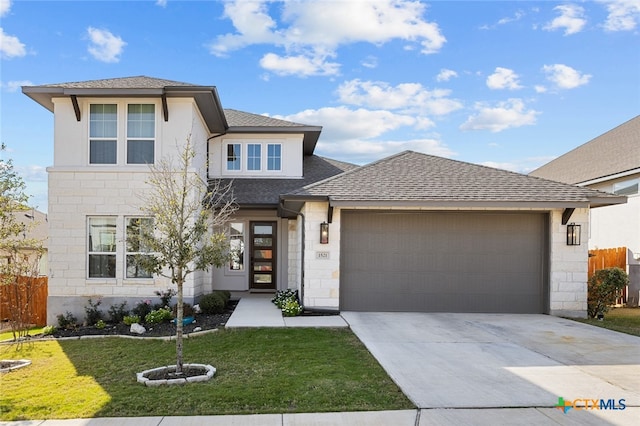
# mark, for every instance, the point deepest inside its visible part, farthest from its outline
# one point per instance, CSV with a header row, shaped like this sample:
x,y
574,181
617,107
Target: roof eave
x,y
544,205
206,98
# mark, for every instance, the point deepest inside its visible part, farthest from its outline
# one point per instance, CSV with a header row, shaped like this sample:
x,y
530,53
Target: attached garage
x,y
444,262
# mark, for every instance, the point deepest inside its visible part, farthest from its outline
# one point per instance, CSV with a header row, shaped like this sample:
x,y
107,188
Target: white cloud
x,y
505,115
503,78
340,123
565,77
446,75
105,46
298,65
540,89
623,15
370,62
161,3
365,151
504,166
313,30
5,6
33,173
571,19
10,46
405,97
14,86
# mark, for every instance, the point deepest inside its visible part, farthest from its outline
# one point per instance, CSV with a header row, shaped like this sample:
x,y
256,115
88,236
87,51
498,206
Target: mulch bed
x,y
204,322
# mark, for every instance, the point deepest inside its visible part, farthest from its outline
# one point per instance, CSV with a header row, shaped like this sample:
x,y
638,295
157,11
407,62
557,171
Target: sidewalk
x,y
256,310
396,418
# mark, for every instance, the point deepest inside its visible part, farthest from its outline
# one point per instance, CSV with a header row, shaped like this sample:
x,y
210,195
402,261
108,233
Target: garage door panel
x,y
443,262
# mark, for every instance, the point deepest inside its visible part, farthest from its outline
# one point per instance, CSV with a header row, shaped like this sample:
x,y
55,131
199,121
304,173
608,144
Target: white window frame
x,y
141,139
253,157
238,154
103,138
268,158
112,253
128,253
241,238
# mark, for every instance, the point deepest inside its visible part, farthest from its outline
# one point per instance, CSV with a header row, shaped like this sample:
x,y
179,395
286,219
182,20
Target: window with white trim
x,y
626,187
254,158
135,228
236,246
234,156
101,247
103,134
274,157
141,127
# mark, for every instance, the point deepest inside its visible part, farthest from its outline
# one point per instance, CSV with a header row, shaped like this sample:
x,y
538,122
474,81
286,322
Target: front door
x,y
263,256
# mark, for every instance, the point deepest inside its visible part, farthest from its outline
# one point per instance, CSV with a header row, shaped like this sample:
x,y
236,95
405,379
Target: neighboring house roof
x,y
612,153
36,226
261,192
415,179
206,97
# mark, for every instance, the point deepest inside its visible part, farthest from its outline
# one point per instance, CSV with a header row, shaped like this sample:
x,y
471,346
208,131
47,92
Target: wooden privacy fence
x,y
27,298
609,258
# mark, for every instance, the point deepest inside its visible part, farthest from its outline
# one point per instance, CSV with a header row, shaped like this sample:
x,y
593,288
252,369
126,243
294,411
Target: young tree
x,y
186,232
20,256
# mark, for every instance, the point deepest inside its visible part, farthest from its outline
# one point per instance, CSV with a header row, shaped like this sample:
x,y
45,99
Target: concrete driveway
x,y
478,368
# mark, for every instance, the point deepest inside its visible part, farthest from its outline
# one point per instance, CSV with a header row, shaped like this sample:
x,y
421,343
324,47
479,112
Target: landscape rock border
x,y
141,377
14,364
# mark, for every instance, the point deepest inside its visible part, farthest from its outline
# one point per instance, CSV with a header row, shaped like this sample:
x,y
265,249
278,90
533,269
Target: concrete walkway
x,y
256,310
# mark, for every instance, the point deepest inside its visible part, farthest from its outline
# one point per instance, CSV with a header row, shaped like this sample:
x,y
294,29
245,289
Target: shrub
x,y
131,319
291,308
165,297
93,313
49,330
67,321
100,324
118,312
187,310
142,308
157,316
282,296
604,287
213,303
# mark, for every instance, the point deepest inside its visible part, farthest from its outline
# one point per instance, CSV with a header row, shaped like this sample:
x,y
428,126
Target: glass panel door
x,y
263,256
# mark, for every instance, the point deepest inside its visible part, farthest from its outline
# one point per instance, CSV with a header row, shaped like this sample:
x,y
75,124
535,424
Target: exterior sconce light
x,y
573,234
324,233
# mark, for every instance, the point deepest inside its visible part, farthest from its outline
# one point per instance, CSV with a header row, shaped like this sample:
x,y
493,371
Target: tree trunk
x,y
179,315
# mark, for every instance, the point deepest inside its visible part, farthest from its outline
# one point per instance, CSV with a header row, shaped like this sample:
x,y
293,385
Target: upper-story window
x,y
234,156
141,125
626,187
103,134
274,156
104,141
254,159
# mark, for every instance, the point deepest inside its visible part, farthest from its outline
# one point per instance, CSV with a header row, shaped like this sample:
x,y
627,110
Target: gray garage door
x,y
444,262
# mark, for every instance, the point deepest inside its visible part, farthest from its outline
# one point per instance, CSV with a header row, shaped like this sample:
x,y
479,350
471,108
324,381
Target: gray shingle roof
x,y
266,192
613,152
246,119
138,82
415,177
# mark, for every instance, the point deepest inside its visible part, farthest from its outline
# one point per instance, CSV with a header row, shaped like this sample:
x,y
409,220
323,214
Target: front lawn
x,y
625,320
259,371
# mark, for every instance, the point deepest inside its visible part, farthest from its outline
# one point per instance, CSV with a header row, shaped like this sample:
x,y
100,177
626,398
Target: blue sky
x,y
509,84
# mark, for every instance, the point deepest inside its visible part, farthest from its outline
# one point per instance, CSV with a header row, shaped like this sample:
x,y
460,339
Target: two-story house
x,y
410,232
611,163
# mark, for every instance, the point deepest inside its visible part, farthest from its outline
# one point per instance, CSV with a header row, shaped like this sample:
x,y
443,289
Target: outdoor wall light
x,y
573,234
324,233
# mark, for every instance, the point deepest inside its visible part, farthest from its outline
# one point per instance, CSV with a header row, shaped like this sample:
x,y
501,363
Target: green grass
x,y
258,371
7,334
625,320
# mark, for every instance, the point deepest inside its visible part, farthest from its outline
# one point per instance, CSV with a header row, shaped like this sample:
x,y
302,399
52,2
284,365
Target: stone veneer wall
x,y
567,264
